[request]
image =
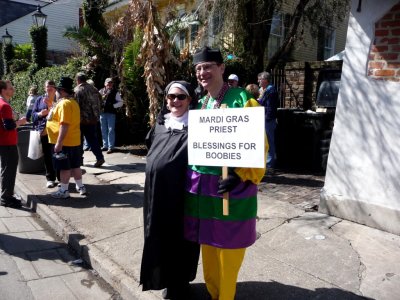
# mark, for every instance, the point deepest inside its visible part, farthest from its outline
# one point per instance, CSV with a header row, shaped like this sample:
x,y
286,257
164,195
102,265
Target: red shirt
x,y
7,137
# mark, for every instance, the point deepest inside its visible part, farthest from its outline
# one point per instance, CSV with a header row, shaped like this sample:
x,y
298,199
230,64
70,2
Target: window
x,y
181,10
216,24
194,29
326,43
276,34
182,39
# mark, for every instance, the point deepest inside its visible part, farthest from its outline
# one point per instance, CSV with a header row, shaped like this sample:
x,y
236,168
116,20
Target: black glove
x,y
229,183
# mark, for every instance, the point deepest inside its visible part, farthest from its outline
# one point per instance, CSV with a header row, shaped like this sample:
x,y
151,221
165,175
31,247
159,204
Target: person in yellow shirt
x,y
63,128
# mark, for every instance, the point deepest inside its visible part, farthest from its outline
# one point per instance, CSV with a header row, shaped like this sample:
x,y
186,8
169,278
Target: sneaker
x,y
104,149
50,184
81,190
99,163
109,151
60,194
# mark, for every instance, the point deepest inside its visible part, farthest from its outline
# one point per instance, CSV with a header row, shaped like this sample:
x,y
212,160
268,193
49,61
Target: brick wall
x,y
302,82
295,81
384,58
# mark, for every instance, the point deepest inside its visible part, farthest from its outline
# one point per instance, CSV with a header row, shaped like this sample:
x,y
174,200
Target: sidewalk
x,y
36,265
300,254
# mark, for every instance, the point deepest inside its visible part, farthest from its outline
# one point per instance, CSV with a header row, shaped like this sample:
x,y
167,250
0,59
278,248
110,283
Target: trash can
x,y
298,139
285,137
25,164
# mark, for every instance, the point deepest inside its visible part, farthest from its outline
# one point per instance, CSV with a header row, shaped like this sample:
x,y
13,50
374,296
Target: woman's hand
x,y
44,112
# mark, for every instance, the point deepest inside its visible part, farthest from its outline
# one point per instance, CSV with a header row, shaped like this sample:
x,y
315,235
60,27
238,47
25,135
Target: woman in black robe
x,y
168,261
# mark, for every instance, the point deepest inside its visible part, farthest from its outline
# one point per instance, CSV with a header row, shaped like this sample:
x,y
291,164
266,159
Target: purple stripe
x,y
192,181
221,234
209,186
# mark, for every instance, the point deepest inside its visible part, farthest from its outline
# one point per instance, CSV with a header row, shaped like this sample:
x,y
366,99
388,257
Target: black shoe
x,y
99,163
11,202
104,149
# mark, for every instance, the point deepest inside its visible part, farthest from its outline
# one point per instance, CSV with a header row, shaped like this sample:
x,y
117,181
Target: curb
x,y
112,273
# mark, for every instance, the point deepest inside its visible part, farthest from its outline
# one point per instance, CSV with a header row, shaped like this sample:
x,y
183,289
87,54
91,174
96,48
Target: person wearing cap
x,y
111,101
8,145
89,100
40,110
169,261
233,80
63,128
223,239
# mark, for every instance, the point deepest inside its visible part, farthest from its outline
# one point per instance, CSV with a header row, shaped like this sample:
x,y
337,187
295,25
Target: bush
x,y
39,47
23,51
22,81
18,65
134,94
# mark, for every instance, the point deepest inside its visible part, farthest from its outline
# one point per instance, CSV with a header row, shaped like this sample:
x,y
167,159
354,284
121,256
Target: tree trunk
x,y
257,16
290,38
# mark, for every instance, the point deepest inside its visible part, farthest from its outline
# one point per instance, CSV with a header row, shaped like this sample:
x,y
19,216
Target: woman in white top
x,y
33,94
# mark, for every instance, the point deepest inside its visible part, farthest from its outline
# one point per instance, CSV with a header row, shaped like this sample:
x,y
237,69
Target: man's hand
x,y
57,148
229,183
21,121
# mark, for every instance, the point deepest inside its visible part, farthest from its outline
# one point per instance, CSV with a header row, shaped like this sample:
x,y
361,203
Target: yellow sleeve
x,y
255,175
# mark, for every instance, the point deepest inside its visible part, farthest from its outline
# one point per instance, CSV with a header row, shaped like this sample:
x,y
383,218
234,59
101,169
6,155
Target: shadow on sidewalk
x,y
32,249
256,290
123,168
290,179
107,195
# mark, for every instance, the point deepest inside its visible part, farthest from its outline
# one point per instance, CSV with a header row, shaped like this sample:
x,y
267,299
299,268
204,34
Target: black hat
x,y
66,84
207,54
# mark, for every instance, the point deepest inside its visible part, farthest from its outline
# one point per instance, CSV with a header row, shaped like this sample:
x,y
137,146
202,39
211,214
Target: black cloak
x,y
168,259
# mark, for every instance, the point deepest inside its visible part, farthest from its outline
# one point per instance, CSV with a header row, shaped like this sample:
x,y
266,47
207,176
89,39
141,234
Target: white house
x,y
16,16
362,181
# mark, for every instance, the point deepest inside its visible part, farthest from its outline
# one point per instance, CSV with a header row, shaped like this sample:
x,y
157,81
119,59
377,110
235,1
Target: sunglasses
x,y
179,96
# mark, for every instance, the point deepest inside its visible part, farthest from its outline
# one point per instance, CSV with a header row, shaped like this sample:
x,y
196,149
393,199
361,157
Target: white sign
x,y
232,137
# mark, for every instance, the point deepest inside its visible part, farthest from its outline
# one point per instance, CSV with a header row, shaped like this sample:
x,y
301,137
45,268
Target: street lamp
x,y
39,18
7,38
7,53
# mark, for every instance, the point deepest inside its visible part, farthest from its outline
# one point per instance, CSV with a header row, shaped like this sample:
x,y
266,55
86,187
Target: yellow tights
x,y
221,268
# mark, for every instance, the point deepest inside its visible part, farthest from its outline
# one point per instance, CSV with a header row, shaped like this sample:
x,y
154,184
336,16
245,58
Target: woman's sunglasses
x,y
179,96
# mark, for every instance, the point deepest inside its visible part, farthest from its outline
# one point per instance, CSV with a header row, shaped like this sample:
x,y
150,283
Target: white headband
x,y
179,86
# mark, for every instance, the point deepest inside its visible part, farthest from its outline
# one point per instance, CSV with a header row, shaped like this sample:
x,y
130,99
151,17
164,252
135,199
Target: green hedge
x,y
22,81
39,47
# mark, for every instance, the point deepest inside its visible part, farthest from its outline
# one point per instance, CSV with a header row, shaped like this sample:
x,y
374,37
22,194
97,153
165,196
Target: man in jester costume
x,y
223,239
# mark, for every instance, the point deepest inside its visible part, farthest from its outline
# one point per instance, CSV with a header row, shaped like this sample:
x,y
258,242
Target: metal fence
x,y
278,79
